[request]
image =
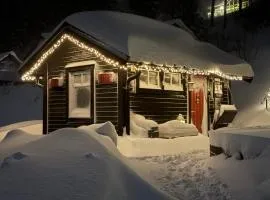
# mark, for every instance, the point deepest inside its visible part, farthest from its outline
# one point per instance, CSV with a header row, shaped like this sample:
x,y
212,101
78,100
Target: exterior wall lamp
x,y
190,86
267,100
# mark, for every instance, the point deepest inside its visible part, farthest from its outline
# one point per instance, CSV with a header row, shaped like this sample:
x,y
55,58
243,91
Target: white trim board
x,y
81,63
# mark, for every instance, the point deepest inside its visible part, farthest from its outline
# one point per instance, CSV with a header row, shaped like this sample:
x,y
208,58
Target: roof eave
x,y
66,26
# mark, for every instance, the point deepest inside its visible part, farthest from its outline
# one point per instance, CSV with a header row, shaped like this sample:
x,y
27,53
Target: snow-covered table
x,y
249,142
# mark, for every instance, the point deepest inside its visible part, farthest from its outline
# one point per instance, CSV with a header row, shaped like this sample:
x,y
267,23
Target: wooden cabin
x,y
86,63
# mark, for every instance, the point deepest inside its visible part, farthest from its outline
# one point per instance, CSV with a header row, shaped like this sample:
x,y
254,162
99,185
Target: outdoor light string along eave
x,y
28,76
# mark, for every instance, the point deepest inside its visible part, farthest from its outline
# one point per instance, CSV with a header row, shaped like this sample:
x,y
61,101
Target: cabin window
x,y
149,79
79,94
172,81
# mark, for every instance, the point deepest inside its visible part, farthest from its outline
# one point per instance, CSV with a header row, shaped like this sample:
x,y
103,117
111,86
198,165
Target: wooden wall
x,y
225,99
159,105
106,95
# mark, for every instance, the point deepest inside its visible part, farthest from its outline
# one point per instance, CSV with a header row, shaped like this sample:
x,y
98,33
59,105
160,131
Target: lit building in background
x,y
232,6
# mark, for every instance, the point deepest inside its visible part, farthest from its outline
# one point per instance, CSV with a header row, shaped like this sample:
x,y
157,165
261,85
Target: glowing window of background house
x,y
232,6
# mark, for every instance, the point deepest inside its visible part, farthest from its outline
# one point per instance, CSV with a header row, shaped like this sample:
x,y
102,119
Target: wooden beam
x,y
122,77
45,102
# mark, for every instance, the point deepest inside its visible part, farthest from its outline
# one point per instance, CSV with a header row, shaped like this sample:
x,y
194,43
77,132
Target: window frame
x,y
171,86
148,85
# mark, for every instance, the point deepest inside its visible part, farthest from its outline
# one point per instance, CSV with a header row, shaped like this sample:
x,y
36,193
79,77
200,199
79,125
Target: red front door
x,y
197,102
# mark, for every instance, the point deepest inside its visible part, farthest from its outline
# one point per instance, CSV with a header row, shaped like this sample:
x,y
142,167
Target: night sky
x,y
23,21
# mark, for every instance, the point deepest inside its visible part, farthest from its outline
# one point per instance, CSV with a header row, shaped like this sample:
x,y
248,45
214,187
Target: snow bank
x,y
249,142
249,97
68,164
141,147
23,124
20,103
32,127
175,128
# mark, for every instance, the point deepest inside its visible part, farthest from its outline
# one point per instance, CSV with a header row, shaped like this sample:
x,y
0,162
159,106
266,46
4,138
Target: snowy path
x,y
185,176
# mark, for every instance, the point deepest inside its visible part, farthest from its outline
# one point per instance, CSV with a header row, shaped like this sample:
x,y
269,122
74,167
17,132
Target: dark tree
x,y
147,8
212,12
240,5
225,14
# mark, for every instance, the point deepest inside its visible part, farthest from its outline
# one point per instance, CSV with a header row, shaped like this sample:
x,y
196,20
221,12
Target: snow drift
x,y
68,164
249,98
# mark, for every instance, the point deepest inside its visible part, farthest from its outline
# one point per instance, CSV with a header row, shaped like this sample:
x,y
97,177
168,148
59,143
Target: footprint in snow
x,y
92,155
14,157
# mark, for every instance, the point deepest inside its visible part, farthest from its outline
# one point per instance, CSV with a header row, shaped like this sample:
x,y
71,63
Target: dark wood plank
x,y
45,102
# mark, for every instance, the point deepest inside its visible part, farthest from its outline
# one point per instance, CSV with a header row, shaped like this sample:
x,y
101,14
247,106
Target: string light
x,y
28,76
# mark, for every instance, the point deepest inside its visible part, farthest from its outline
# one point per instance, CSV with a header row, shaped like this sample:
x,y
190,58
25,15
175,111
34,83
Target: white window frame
x,y
148,85
77,112
171,86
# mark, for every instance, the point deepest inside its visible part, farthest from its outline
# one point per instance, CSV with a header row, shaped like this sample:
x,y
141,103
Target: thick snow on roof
x,y
180,24
12,53
148,40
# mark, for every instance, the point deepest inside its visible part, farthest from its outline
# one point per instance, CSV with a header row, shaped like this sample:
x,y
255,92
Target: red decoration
x,y
55,82
106,78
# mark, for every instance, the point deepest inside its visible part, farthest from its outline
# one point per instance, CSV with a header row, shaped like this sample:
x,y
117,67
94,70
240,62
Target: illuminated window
x,y
149,79
232,6
172,81
79,94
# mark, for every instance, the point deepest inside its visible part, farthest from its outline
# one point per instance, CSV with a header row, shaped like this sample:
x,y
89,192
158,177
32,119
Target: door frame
x,y
204,123
92,89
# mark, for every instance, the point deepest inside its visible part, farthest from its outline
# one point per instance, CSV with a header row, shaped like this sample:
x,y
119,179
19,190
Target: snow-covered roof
x,y
143,39
180,24
8,53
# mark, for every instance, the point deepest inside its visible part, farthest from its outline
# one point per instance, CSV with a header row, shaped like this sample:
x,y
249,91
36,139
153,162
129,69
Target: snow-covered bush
x,y
142,121
137,131
176,128
108,129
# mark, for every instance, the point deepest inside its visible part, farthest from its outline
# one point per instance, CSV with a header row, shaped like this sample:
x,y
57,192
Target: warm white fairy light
x,y
28,76
183,70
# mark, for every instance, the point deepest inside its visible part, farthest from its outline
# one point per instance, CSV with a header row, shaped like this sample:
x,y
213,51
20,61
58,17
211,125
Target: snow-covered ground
x,y
186,176
178,167
247,179
78,161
